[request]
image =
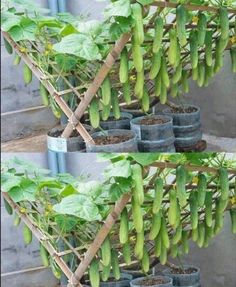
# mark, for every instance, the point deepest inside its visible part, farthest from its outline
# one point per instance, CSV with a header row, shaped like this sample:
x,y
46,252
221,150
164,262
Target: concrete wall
x,y
217,262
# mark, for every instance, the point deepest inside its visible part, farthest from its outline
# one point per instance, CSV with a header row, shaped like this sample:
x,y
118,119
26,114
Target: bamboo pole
x,y
39,235
97,82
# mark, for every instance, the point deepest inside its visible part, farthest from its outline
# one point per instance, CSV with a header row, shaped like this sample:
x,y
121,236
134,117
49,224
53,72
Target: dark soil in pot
x,y
157,281
122,123
188,276
115,140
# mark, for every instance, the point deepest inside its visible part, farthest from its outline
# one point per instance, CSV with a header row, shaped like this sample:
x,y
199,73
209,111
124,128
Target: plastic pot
x,y
122,123
185,280
186,126
129,145
135,273
154,137
71,144
123,282
138,281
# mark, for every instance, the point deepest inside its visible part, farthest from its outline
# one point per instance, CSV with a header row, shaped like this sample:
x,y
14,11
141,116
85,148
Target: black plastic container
x,y
187,126
129,145
122,123
154,137
124,281
185,280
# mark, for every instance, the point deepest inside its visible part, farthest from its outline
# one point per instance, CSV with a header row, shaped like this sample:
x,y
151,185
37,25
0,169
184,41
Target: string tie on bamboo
x,y
73,121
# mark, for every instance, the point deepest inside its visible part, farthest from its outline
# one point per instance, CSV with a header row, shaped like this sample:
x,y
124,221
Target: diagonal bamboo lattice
x,y
84,91
97,233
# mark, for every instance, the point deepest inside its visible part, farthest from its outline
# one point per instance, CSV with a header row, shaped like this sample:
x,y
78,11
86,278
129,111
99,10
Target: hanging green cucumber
x,y
233,220
44,94
94,115
174,251
208,48
8,46
177,74
185,86
17,60
158,84
174,90
55,109
185,246
156,65
158,196
138,23
224,183
195,234
17,220
7,207
124,66
126,253
201,29
219,217
209,231
55,269
201,74
172,211
106,111
155,226
124,227
44,256
164,72
208,209
159,29
27,74
94,276
164,233
193,48
115,264
163,95
27,234
138,190
201,189
177,235
127,92
201,235
115,104
145,102
106,252
106,271
195,74
180,185
138,89
145,261
193,210
233,59
209,71
180,24
172,51
218,57
137,57
224,22
157,247
137,216
106,91
138,248
163,255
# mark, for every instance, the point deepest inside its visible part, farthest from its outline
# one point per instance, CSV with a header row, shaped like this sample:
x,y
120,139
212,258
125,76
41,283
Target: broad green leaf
x,y
113,157
145,2
92,28
145,158
66,223
67,30
80,206
9,20
24,191
91,188
79,45
66,62
66,17
8,181
118,169
68,190
118,8
48,22
51,183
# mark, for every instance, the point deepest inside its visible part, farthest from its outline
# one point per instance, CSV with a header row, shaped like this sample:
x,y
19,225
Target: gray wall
x,y
217,262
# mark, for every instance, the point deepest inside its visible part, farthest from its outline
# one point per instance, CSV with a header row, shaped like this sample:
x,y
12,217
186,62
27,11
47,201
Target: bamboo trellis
x,y
84,254
100,70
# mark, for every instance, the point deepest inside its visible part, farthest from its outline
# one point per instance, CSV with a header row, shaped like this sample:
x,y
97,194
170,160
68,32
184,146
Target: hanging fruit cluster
x,y
161,224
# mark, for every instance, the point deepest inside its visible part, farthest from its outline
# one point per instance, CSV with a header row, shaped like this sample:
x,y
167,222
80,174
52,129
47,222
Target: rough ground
x,y
37,143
